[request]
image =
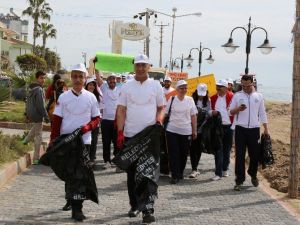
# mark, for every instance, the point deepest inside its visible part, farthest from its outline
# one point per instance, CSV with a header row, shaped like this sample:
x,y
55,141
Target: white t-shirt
x,y
76,111
110,100
167,91
180,121
221,107
141,101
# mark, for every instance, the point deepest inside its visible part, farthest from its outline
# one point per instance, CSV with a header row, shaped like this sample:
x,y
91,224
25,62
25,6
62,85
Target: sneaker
x,y
133,212
254,181
237,187
78,216
67,206
215,178
35,162
148,218
107,165
194,174
174,180
225,174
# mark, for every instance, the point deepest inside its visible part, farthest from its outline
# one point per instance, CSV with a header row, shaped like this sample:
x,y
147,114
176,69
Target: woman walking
x,y
181,128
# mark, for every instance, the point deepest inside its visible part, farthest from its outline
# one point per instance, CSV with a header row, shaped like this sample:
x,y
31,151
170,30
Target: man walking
x,y
76,108
140,105
249,110
109,133
36,112
220,103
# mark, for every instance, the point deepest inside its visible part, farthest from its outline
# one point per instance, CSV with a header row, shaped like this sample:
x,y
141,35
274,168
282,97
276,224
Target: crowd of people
x,y
122,109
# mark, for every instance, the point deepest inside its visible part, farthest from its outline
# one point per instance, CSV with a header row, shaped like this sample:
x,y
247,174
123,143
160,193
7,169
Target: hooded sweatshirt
x,y
35,105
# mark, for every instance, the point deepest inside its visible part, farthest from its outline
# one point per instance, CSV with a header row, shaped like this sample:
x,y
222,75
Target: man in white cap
x,y
220,103
230,84
76,108
141,104
167,85
110,98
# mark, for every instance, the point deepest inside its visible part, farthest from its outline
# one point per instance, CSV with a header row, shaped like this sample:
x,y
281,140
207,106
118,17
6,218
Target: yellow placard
x,y
209,80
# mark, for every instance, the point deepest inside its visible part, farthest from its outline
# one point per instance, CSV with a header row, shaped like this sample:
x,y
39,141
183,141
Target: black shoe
x,y
148,218
133,212
254,181
67,206
78,216
174,180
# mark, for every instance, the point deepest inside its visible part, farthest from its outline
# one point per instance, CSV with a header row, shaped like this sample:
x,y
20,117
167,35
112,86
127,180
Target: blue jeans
x,y
222,154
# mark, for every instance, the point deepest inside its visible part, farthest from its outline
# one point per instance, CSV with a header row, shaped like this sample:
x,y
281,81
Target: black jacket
x,y
69,159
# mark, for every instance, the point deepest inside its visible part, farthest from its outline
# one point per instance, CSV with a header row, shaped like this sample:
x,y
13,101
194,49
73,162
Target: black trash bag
x,y
69,160
266,153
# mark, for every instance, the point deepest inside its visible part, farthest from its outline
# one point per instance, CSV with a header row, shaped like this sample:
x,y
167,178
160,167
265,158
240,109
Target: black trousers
x,y
93,148
178,146
109,135
131,187
246,138
195,152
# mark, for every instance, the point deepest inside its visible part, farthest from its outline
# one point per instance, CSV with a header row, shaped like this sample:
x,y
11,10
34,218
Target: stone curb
x,y
12,169
23,126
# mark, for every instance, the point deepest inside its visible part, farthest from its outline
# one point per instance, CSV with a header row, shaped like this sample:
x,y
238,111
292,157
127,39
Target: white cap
x,y
202,89
141,59
223,83
161,80
112,75
79,67
89,80
180,83
168,79
129,77
229,80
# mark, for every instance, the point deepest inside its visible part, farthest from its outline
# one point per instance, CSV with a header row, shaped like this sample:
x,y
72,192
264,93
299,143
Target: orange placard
x,y
176,76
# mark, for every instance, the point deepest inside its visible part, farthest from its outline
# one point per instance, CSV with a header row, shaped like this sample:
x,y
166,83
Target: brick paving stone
x,y
37,196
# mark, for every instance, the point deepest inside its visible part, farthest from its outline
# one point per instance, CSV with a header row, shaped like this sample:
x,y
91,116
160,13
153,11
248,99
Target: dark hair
x,y
247,77
59,81
55,78
95,92
39,73
204,100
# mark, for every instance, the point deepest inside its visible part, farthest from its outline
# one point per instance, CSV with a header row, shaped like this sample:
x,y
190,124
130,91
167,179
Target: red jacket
x,y
214,98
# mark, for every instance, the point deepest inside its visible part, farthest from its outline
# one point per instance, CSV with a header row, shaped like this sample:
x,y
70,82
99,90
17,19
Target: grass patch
x,y
12,111
11,148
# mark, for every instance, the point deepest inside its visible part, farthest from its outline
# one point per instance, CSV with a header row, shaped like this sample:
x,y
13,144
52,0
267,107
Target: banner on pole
x,y
116,63
176,76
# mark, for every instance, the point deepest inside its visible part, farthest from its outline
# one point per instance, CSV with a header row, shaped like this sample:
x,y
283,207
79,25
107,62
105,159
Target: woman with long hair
x,y
202,101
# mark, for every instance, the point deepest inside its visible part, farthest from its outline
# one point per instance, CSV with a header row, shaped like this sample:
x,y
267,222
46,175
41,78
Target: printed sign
x,y
176,76
132,31
110,62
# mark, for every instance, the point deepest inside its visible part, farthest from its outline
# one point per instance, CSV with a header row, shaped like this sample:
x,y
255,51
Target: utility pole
x,y
295,129
161,41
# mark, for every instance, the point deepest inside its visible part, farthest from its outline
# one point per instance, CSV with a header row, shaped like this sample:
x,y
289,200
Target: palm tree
x,y
46,31
294,173
38,9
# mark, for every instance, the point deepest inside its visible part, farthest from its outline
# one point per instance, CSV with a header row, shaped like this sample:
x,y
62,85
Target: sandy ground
x,y
279,117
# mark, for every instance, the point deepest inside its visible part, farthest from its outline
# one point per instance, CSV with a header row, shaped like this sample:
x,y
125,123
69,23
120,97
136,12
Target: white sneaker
x,y
107,165
194,174
225,174
215,178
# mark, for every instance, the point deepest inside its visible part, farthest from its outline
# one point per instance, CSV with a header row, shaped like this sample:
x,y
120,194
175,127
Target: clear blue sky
x,y
83,27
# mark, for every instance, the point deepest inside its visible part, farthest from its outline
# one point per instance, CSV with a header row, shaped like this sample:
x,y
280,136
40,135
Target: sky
x,y
83,26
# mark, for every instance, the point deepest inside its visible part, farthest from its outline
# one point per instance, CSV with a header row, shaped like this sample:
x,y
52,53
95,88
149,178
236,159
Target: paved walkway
x,y
36,197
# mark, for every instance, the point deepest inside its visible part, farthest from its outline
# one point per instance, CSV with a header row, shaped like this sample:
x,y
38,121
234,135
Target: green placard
x,y
110,62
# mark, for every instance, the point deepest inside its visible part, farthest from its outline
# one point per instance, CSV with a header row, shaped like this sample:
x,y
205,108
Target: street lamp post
x,y
200,50
84,58
174,64
265,48
174,16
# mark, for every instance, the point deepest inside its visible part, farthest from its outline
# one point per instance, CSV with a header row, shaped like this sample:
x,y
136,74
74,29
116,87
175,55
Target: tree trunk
x,y
35,32
295,126
44,46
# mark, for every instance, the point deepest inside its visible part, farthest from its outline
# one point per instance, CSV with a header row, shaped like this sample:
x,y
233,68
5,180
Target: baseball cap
x,y
229,80
141,58
168,79
180,83
223,83
112,75
79,67
202,89
89,80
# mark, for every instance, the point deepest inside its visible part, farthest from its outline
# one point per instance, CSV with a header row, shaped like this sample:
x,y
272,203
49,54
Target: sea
x,y
273,93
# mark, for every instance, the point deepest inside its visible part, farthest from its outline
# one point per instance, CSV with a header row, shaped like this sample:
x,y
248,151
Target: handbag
x,y
167,117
